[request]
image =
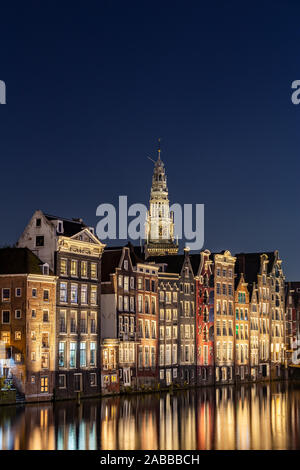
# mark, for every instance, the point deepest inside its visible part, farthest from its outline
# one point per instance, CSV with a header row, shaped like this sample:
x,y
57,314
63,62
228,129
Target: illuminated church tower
x,y
159,230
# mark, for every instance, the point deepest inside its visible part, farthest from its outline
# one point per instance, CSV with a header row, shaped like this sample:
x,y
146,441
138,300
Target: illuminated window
x,y
93,270
5,295
83,268
63,267
84,299
93,295
18,335
93,380
61,354
74,293
82,354
74,267
5,337
18,357
72,355
93,354
46,295
44,384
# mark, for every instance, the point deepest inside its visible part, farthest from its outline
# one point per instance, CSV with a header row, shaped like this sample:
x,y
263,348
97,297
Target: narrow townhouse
x,y
27,324
74,253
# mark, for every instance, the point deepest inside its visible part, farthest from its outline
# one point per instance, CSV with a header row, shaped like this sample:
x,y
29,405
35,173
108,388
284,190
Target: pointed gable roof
x,y
110,261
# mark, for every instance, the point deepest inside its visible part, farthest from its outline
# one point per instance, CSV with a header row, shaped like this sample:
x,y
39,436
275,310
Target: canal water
x,y
248,417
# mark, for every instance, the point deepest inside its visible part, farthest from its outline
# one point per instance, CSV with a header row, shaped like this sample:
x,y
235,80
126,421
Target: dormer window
x,y
92,230
60,226
45,269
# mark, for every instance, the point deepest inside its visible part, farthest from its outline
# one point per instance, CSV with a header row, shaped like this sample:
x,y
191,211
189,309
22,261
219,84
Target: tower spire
x,y
159,227
159,150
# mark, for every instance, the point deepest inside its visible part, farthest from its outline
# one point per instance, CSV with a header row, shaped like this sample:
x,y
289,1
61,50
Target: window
x,y
45,340
83,268
140,303
34,292
17,314
39,240
126,283
72,355
18,357
93,295
140,357
33,336
46,269
5,295
140,331
45,361
45,316
153,306
93,270
147,329
93,323
126,303
46,295
153,329
132,304
33,356
73,323
174,354
84,299
62,381
74,293
5,316
93,380
18,292
140,283
153,357
62,322
83,322
82,354
161,355
125,264
147,306
44,384
18,335
61,354
38,222
93,354
74,268
77,382
147,358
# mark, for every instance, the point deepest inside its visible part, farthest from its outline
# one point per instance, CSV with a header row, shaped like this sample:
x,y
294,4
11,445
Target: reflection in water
x,y
248,417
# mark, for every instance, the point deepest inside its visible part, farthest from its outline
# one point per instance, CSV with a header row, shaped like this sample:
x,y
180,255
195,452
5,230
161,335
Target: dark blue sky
x,y
92,85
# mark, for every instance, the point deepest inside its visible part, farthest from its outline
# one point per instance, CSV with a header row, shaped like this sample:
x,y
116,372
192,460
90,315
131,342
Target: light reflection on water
x,y
249,417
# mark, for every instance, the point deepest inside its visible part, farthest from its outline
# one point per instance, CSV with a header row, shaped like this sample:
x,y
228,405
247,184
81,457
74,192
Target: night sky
x,y
92,85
